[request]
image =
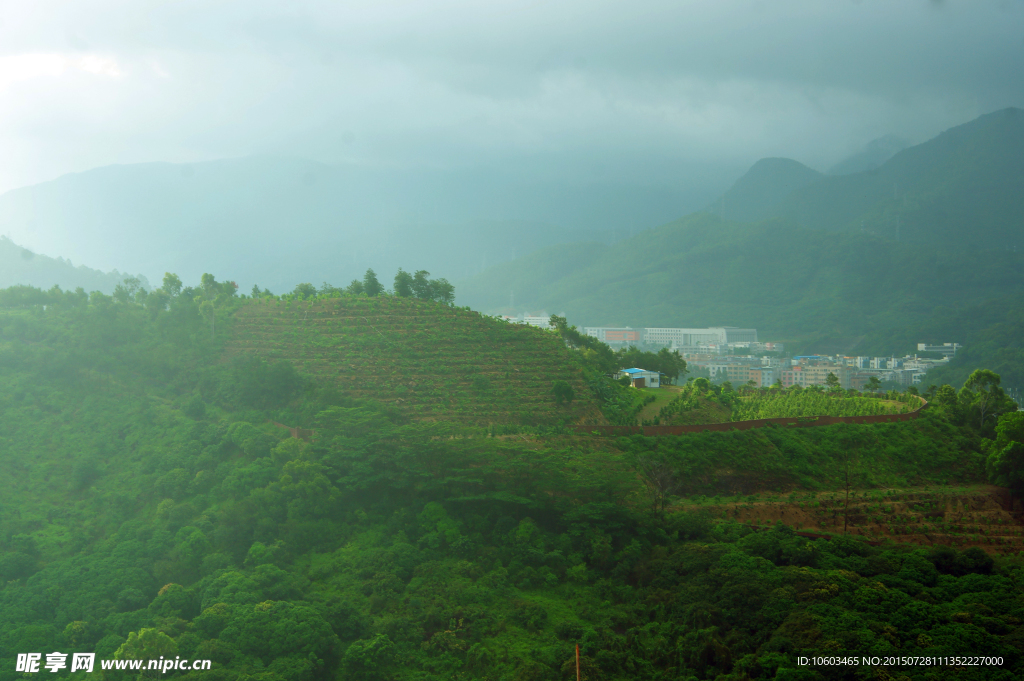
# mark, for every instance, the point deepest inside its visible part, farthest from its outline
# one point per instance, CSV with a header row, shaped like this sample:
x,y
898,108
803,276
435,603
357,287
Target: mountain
x,y
960,190
820,288
272,221
20,266
763,187
811,274
874,154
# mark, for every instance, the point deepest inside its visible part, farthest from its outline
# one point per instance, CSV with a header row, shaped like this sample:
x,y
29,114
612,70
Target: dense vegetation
x,y
811,403
151,506
700,401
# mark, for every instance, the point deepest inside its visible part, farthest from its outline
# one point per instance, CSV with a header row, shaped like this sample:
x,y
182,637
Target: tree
x,y
147,644
211,295
982,392
873,384
171,285
304,291
370,659
371,286
255,291
421,285
671,364
1005,463
832,381
354,288
660,478
1005,467
128,289
403,284
563,392
442,291
156,301
592,353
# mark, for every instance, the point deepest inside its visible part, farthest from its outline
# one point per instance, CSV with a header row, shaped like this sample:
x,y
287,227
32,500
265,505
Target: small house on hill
x,y
641,378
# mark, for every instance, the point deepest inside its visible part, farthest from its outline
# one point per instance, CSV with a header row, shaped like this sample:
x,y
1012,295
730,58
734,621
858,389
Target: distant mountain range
x,y
874,154
20,266
843,263
959,190
279,221
757,194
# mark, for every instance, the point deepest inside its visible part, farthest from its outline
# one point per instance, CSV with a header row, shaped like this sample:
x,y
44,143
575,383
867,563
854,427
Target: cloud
x,y
580,87
52,65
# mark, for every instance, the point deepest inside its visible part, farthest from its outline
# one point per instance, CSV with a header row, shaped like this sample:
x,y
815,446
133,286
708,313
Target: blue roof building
x,y
641,378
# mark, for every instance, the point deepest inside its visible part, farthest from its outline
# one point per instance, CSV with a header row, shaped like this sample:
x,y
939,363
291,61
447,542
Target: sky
x,y
589,91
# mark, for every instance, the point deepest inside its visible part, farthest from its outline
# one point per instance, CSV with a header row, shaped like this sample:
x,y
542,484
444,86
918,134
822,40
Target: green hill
x,y
762,188
426,360
150,507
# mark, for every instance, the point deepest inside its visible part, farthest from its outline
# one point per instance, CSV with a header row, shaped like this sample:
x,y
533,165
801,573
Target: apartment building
x,y
804,375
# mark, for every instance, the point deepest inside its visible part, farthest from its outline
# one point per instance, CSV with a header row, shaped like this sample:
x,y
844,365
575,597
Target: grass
x,y
662,396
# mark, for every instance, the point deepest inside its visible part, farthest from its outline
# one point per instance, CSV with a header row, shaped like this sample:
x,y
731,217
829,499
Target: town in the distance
x,y
728,353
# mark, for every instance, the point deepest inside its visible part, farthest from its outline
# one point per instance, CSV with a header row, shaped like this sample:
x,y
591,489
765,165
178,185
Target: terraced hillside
x,y
432,361
960,517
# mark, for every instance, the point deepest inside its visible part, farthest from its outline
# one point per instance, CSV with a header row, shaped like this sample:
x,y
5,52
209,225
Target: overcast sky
x,y
587,90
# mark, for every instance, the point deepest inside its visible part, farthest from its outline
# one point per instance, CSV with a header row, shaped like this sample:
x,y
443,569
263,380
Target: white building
x,y
947,349
614,335
641,378
691,338
542,322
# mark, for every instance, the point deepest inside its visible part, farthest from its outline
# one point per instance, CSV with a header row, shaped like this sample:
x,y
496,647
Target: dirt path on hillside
x,y
965,516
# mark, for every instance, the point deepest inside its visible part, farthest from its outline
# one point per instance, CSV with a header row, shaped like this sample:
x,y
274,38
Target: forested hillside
x,y
825,290
20,266
768,182
150,506
958,191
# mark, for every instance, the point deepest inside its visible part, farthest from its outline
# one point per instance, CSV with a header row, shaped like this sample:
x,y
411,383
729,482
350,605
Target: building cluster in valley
x,y
735,355
807,370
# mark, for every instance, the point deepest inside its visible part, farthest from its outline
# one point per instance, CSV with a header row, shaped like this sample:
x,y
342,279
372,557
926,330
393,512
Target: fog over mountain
x,y
277,221
355,130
